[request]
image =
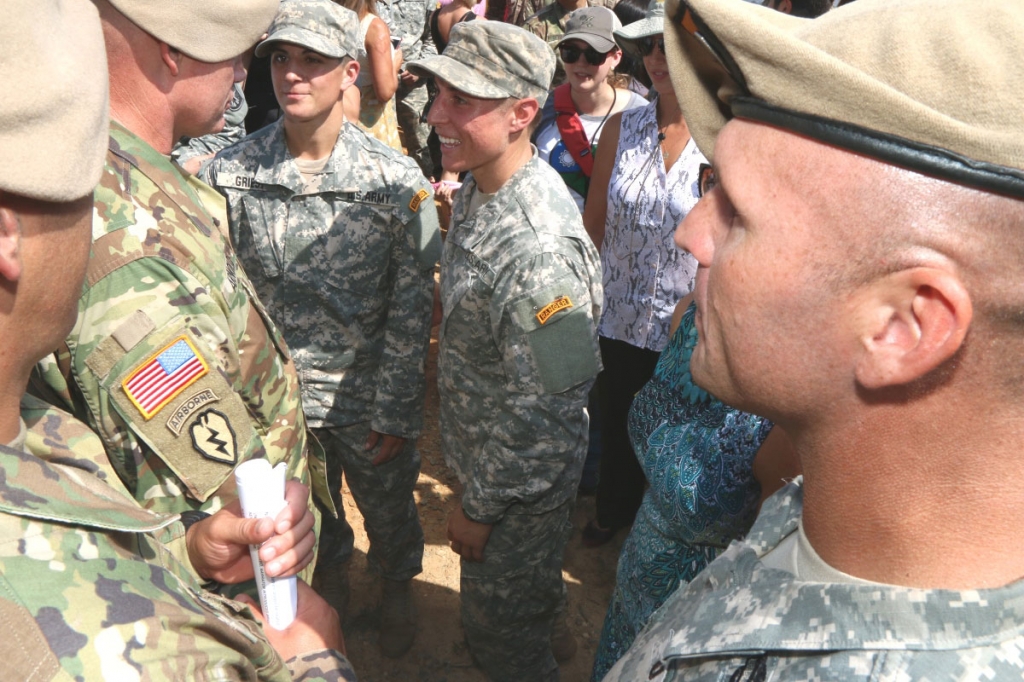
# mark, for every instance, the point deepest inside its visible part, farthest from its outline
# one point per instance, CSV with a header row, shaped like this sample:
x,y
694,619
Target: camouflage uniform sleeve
x,y
428,48
546,333
326,665
401,382
154,460
537,27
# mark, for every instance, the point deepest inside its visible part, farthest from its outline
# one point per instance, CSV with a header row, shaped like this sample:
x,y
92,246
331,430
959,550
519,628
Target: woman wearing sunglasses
x,y
586,101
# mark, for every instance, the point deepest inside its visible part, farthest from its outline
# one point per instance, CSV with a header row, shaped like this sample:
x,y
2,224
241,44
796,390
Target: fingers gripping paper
x,y
261,492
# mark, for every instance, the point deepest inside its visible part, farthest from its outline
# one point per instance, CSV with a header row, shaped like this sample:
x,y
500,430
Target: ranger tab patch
x,y
414,203
560,303
163,376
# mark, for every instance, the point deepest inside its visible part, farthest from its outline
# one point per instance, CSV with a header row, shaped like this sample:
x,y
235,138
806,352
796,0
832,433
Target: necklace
x,y
615,98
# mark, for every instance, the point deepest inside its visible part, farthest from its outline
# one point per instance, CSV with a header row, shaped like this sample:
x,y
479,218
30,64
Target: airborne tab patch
x,y
163,376
414,203
560,303
176,422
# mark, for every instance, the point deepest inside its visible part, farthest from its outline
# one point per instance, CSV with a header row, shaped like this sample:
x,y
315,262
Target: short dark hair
x,y
810,8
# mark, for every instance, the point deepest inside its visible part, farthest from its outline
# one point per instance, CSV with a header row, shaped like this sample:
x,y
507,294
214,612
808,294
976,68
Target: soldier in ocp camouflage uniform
x,y
521,295
341,244
86,589
173,360
96,587
860,279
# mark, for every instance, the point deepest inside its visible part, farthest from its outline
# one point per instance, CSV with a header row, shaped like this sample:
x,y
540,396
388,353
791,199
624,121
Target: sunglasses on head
x,y
571,55
646,45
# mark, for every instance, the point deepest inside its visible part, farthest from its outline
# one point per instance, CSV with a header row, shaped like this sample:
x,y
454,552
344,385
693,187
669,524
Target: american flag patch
x,y
163,376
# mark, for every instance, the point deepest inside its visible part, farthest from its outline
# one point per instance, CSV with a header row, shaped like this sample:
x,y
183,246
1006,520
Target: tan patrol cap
x,y
206,30
930,85
53,114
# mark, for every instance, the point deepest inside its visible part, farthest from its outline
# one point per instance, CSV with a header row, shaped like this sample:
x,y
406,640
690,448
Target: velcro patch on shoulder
x,y
188,415
414,203
560,303
162,376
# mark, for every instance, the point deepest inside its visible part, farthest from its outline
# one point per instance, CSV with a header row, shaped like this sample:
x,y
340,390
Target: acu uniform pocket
x,y
561,348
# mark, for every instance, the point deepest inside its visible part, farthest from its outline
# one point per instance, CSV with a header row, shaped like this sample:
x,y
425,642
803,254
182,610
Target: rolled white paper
x,y
261,492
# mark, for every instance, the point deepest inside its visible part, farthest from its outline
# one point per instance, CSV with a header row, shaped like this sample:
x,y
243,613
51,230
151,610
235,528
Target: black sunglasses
x,y
571,55
646,45
706,180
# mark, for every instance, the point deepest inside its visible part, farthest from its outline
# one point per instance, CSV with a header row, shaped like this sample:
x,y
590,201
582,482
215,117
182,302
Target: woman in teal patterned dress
x,y
697,454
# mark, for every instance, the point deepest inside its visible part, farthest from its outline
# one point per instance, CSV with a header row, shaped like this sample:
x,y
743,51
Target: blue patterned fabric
x,y
697,454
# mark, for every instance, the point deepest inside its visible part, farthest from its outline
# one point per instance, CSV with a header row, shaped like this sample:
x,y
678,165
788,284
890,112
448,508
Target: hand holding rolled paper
x,y
261,493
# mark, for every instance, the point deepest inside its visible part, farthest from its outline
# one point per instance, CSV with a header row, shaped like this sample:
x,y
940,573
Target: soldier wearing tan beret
x,y
172,359
860,283
93,586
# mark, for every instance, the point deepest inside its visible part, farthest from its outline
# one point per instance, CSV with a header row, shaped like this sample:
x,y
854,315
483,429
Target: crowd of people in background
x,y
748,271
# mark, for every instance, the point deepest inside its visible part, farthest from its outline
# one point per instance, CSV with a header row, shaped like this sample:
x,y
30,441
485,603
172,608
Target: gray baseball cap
x,y
595,26
319,25
206,30
493,60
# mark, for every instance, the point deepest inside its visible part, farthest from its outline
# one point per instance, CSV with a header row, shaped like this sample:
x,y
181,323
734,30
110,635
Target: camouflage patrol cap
x,y
206,30
319,25
53,115
493,60
929,85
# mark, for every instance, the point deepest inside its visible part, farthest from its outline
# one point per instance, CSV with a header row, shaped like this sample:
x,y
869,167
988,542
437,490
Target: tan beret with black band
x,y
206,30
930,85
53,114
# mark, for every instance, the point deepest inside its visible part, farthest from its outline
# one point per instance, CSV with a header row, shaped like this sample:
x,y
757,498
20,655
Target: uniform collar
x,y
737,606
279,168
52,492
467,234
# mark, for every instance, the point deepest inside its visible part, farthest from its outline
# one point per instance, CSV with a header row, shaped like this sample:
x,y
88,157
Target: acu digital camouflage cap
x,y
206,30
319,25
929,85
53,115
493,60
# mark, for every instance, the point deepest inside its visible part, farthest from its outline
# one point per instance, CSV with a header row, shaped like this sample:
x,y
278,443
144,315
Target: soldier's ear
x,y
523,112
171,58
10,243
351,67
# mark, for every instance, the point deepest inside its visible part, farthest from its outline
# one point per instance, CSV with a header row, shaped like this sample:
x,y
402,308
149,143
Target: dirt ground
x,y
440,654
